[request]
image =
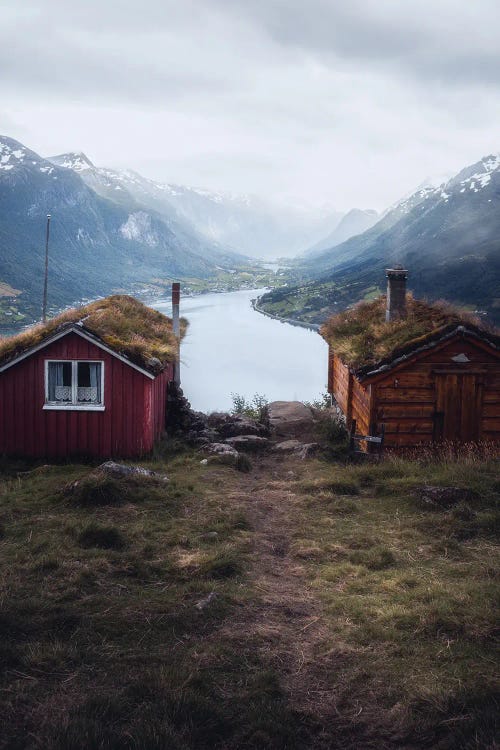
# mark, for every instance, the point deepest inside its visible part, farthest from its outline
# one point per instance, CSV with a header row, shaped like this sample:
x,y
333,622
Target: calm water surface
x,y
230,348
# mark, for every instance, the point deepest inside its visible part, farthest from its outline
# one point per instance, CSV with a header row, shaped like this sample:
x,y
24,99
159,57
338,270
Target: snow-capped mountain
x,y
75,160
96,245
448,236
15,156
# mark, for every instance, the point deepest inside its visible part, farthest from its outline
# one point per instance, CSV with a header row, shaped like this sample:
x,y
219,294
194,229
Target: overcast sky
x,y
341,102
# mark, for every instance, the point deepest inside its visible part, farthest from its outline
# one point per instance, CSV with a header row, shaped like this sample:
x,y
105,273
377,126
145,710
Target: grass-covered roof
x,y
363,340
137,332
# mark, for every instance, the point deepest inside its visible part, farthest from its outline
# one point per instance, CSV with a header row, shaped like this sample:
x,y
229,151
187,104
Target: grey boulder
x,y
289,418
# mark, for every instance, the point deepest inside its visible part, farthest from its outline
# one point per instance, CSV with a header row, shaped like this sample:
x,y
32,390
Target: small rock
x,y
221,449
231,425
308,449
248,442
113,469
287,446
210,536
203,603
204,461
303,450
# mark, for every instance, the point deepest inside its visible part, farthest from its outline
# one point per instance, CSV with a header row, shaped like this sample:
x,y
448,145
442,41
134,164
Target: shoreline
x,y
291,321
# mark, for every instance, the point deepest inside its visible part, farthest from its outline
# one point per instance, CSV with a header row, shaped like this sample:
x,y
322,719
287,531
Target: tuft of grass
x,y
331,487
222,565
376,558
96,490
103,537
243,463
343,507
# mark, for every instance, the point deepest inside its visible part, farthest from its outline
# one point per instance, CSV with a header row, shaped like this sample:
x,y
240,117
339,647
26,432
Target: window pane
x,y
83,375
89,382
60,382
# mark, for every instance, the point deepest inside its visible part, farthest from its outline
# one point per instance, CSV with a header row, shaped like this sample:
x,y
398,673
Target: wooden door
x,y
458,406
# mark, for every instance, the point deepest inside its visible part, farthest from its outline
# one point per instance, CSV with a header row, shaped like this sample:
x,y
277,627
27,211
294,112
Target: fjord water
x,y
230,348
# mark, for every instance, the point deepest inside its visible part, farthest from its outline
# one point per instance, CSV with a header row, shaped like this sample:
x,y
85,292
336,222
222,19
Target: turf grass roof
x,y
137,332
362,338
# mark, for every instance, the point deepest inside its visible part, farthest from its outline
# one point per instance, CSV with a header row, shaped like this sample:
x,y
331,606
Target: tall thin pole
x,y
176,325
46,279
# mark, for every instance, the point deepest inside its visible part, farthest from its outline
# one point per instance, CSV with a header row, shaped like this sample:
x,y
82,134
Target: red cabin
x,y
90,382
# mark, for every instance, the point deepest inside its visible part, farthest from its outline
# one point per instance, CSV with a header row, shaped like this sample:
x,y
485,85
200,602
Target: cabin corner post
x,y
372,413
176,325
350,385
331,356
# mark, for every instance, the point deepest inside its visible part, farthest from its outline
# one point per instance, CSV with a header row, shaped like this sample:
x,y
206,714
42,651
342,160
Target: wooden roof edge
x,y
422,344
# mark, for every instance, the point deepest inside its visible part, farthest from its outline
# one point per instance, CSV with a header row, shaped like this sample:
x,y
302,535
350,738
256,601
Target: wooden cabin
x,y
427,372
90,382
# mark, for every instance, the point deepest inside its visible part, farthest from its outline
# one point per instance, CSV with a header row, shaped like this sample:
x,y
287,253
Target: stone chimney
x,y
176,325
396,293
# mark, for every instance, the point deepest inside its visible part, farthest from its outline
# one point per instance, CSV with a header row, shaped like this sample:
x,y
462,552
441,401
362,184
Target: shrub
x,y
257,408
103,537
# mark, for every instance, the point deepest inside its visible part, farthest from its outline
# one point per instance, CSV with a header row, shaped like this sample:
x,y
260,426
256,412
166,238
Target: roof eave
x,y
84,332
386,365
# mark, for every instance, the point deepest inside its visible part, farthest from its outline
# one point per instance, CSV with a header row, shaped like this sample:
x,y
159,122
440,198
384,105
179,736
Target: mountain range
x,y
117,230
447,236
103,238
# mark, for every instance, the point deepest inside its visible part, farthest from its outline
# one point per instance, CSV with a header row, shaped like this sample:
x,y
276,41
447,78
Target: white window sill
x,y
72,407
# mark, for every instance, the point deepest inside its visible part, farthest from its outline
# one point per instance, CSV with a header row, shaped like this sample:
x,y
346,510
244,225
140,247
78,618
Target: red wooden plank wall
x,y
132,420
405,400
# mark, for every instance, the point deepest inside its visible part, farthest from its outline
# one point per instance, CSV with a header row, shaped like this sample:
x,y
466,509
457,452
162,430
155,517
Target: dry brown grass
x,y
343,614
138,332
360,336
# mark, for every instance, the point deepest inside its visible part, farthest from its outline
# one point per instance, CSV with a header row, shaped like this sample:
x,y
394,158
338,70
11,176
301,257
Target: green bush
x,y
257,408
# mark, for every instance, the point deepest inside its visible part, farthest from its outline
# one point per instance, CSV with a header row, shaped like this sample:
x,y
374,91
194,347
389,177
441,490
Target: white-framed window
x,y
74,384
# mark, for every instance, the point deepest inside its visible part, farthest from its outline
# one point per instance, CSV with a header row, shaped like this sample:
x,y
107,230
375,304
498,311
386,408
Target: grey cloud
x,y
352,102
79,66
427,39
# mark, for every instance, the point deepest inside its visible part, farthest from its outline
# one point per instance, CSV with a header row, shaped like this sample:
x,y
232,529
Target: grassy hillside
x,y
470,282
346,613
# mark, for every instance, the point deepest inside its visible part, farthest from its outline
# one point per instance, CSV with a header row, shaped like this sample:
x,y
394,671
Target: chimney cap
x,y
396,270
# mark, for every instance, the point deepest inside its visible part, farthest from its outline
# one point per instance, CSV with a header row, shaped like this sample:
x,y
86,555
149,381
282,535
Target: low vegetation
x,y
255,408
305,604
